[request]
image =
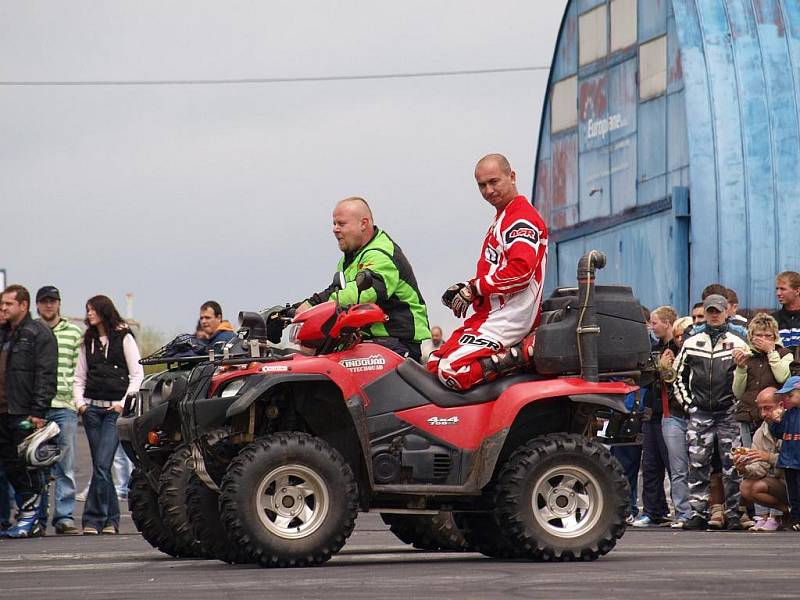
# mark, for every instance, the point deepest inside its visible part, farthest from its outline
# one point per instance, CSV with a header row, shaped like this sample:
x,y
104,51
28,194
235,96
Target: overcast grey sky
x,y
184,193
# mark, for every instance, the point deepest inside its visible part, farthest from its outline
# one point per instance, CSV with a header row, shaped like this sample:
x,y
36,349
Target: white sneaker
x,y
81,496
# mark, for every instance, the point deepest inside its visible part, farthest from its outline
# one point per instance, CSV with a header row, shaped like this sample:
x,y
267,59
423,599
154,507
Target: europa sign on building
x,y
670,140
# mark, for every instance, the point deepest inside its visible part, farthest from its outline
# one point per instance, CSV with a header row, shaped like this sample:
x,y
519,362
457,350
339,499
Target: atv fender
x,y
609,394
355,405
613,401
132,432
269,381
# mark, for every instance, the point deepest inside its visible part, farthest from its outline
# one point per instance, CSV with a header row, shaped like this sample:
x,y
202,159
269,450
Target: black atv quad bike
x,y
169,515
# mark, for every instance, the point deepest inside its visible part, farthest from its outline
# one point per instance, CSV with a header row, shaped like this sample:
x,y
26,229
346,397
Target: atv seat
x,y
427,384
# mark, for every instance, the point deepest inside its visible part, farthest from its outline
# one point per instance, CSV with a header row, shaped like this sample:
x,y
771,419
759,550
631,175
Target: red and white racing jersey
x,y
510,274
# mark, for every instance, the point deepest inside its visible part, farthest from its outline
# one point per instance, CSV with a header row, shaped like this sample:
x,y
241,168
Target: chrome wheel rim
x,y
292,501
566,501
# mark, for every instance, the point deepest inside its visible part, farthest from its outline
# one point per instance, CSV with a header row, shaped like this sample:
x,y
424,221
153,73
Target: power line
x,y
109,82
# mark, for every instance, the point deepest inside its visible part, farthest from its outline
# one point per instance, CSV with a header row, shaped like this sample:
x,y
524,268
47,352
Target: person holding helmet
x,y
28,360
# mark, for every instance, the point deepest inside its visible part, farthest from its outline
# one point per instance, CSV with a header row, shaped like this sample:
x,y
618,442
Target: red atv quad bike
x,y
311,440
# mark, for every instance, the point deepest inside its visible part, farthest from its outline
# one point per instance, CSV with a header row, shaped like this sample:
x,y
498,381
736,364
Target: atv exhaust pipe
x,y
588,329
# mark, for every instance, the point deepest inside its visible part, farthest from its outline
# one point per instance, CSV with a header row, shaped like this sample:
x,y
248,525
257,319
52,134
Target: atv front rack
x,y
276,354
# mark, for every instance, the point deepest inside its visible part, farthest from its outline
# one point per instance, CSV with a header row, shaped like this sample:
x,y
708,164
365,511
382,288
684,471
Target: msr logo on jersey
x,y
491,255
443,421
522,231
472,340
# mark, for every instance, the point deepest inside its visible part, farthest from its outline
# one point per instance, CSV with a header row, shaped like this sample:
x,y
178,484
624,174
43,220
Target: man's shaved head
x,y
358,205
501,161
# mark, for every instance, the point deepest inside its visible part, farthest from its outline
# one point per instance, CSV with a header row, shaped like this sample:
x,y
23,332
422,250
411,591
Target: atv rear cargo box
x,y
623,343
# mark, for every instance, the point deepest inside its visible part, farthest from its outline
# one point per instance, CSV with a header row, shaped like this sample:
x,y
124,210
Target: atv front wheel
x,y
203,508
289,500
172,495
482,532
562,497
427,532
146,515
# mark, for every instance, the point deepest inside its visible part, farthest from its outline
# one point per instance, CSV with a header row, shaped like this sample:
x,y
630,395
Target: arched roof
x,y
697,94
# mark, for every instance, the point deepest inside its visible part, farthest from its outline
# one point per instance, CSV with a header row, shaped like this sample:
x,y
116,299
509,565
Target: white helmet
x,y
39,448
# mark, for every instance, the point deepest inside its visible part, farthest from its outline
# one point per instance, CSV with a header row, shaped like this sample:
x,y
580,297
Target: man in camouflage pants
x,y
704,386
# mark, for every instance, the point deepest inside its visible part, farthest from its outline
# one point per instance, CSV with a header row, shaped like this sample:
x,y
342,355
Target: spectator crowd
x,y
51,371
725,424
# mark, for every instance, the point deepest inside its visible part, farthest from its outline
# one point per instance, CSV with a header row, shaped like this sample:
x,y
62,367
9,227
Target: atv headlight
x,y
294,332
232,388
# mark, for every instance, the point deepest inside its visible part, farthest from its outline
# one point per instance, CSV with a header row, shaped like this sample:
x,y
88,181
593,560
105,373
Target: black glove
x,y
459,297
275,328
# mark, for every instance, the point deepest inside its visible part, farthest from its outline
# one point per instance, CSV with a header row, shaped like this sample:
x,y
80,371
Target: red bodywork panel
x,y
351,370
328,320
478,421
358,316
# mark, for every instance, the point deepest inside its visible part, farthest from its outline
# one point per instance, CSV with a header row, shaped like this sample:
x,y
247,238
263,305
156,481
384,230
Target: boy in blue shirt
x,y
786,427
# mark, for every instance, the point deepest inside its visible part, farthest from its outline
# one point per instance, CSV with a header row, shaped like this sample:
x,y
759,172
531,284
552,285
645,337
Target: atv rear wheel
x,y
203,508
289,500
172,496
562,497
427,532
146,515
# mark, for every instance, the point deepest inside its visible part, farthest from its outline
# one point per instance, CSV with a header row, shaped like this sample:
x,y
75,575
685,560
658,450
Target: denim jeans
x,y
674,430
6,498
655,465
123,467
630,457
101,508
63,471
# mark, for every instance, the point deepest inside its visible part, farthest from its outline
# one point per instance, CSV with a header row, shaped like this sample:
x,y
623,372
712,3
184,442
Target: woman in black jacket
x,y
108,370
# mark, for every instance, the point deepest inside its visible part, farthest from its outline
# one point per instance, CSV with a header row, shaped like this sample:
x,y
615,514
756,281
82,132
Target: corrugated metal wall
x,y
613,170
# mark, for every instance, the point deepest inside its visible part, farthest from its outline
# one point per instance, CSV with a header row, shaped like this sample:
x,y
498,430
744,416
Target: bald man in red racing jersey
x,y
506,292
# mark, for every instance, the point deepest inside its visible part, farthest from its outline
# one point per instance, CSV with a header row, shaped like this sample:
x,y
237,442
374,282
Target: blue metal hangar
x,y
670,139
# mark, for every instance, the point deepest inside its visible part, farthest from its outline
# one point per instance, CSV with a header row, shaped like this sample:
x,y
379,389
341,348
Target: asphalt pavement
x,y
651,563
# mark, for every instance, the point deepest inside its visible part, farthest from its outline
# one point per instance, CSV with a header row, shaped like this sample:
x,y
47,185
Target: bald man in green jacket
x,y
394,286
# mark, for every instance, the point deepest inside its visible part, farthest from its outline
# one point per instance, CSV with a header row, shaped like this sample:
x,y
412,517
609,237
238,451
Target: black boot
x,y
514,359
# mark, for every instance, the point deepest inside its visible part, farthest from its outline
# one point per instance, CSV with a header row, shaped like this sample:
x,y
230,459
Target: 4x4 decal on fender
x,y
371,363
443,421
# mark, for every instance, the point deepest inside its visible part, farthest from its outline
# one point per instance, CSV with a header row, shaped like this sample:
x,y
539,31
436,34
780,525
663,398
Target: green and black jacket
x,y
394,289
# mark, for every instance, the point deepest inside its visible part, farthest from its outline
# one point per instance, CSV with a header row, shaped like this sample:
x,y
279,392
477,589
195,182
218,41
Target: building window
x,y
593,35
623,24
565,105
653,68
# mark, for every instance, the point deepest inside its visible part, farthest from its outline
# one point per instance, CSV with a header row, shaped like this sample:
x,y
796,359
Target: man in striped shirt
x,y
62,411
